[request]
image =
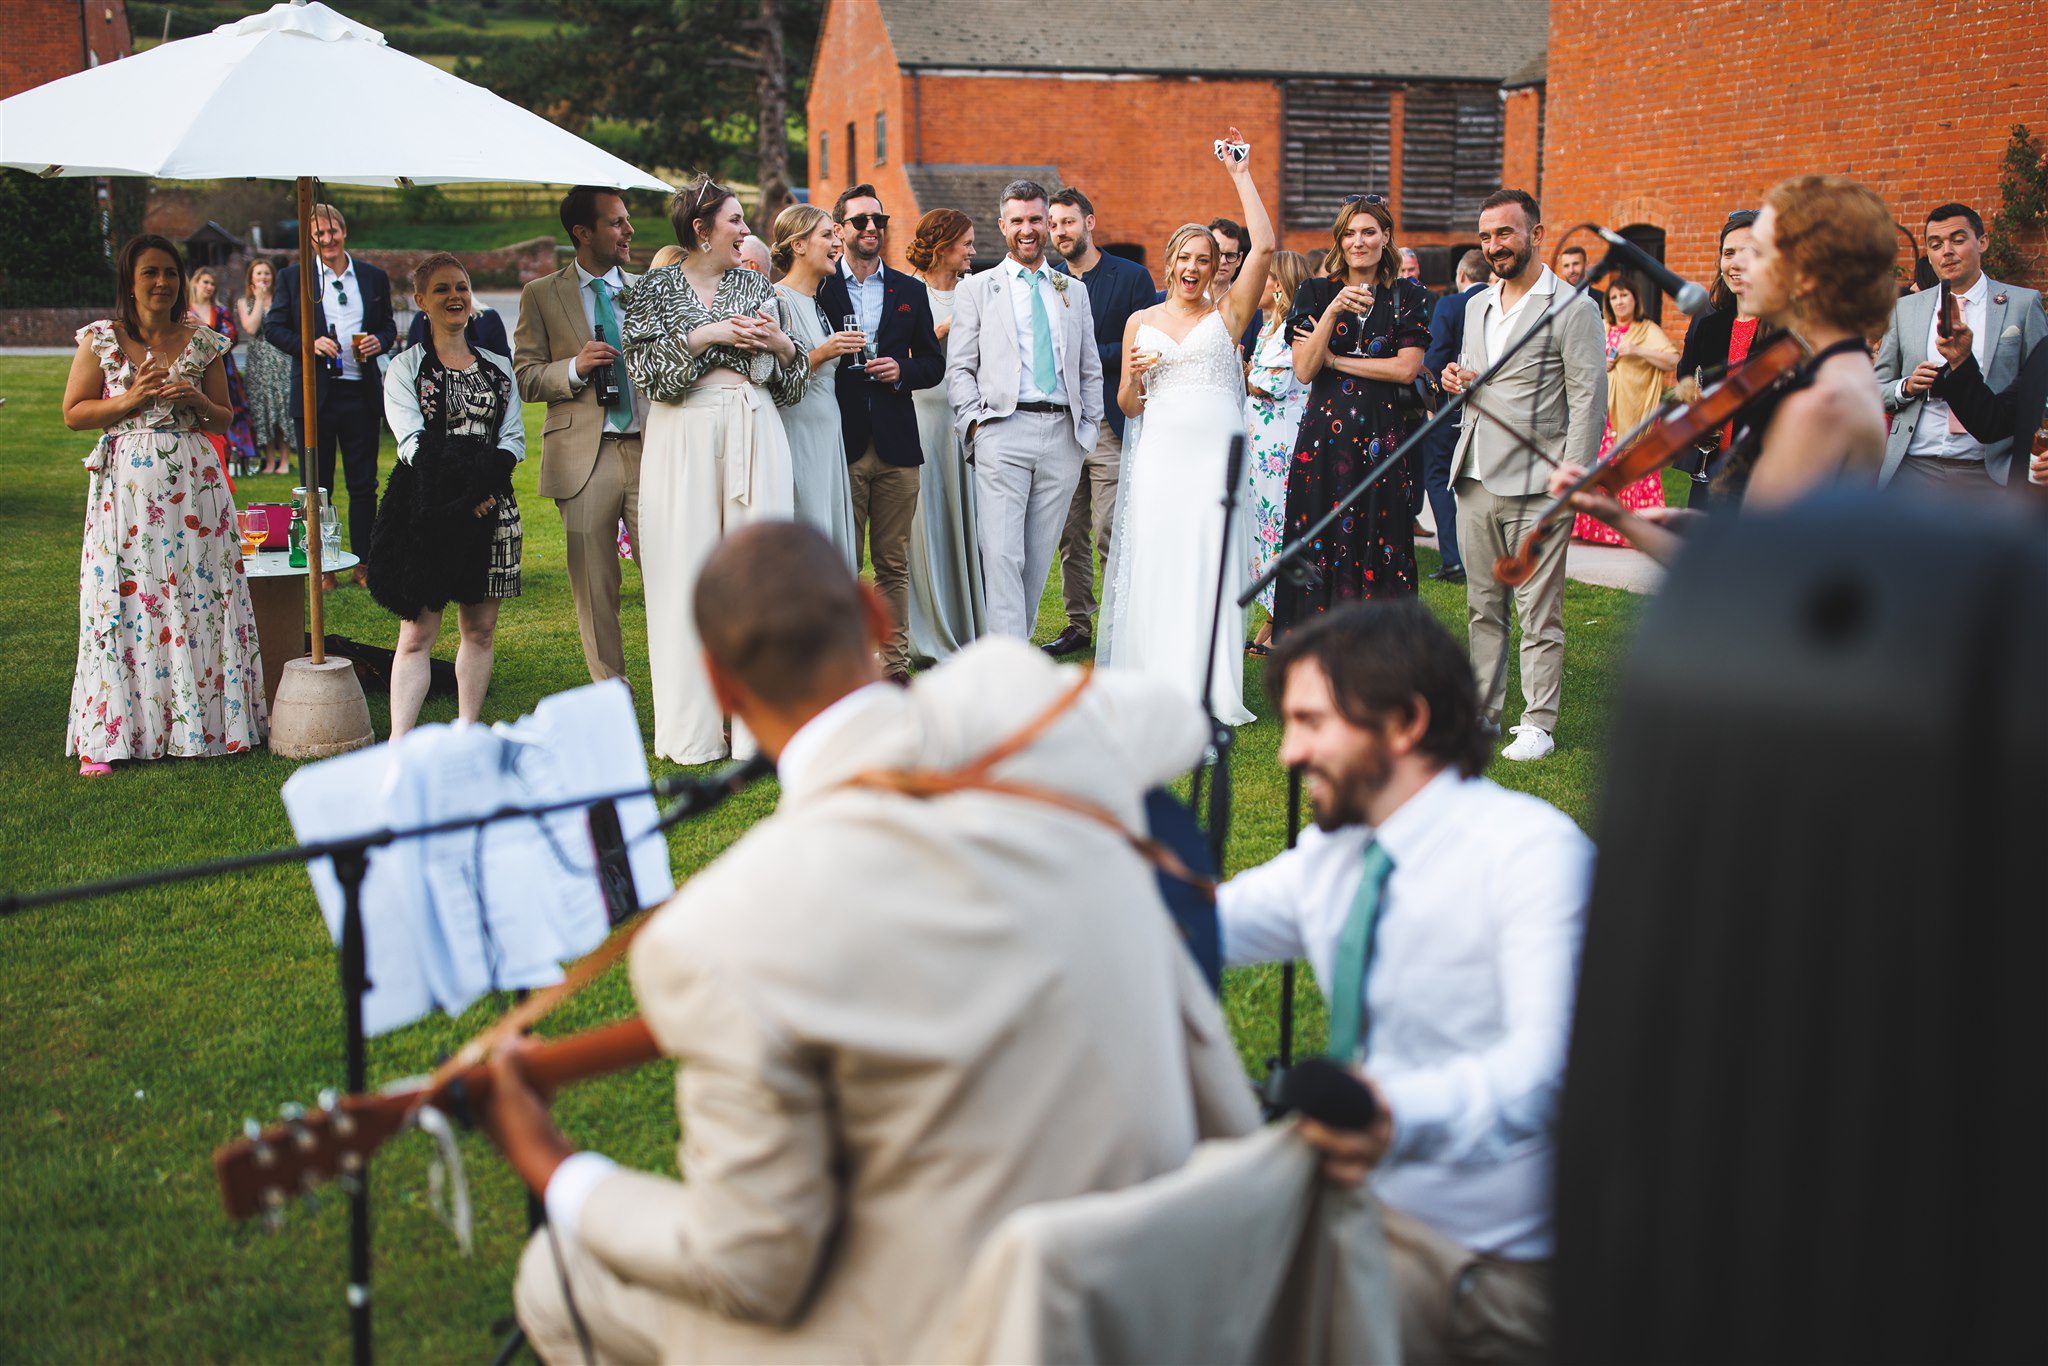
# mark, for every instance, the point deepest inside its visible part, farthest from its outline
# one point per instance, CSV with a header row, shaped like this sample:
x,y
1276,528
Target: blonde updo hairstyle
x,y
792,226
1181,236
937,231
694,205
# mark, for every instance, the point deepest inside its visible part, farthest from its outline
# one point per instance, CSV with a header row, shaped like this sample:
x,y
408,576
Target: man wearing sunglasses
x,y
877,413
352,326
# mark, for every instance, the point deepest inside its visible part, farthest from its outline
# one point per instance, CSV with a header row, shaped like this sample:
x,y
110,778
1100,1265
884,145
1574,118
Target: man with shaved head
x,y
894,1013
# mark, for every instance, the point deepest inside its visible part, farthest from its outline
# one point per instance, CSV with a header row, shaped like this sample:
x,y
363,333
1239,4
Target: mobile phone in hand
x,y
1942,326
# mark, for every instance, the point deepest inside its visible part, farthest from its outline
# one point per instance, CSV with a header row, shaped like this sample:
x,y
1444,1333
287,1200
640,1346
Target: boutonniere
x,y
1998,298
1059,287
903,308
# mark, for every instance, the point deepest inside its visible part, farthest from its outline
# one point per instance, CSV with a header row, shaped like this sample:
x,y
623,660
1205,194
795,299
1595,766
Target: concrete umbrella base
x,y
319,710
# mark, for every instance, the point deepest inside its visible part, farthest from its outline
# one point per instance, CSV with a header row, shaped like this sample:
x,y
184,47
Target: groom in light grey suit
x,y
1928,445
1025,382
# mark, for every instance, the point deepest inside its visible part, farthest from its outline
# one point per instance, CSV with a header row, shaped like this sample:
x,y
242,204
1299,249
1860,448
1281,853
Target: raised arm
x,y
1250,286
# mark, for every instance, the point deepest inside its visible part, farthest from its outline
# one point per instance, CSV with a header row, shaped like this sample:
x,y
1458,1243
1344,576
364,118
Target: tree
x,y
694,84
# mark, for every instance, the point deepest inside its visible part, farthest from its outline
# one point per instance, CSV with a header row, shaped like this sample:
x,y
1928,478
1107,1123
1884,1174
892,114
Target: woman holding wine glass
x,y
167,651
805,250
1358,333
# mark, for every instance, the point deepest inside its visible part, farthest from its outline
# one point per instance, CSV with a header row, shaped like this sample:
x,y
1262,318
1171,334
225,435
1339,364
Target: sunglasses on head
x,y
1379,200
862,220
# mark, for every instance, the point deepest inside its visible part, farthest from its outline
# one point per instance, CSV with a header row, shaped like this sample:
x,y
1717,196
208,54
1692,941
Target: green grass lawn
x,y
484,235
141,1029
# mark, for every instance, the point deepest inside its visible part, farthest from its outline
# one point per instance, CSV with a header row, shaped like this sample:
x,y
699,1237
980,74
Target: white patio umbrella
x,y
302,93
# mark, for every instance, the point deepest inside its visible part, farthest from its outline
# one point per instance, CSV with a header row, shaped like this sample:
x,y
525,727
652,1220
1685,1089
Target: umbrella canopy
x,y
298,90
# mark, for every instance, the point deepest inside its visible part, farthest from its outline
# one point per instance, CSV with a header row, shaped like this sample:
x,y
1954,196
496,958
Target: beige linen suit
x,y
898,1021
594,479
1554,391
1243,1255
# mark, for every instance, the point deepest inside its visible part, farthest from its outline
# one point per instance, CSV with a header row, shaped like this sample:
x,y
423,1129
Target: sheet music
x,y
451,916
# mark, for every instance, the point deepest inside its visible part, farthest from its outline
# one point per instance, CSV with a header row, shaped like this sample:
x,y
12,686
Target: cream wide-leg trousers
x,y
708,464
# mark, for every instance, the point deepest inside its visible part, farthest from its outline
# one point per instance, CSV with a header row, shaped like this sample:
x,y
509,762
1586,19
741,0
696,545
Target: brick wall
x,y
1521,127
1702,116
46,326
47,39
1139,148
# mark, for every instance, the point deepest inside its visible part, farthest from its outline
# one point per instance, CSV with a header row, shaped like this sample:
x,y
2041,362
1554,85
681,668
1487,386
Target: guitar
x,y
261,1171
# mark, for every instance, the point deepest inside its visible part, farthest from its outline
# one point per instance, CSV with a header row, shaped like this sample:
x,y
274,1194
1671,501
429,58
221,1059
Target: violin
x,y
1656,441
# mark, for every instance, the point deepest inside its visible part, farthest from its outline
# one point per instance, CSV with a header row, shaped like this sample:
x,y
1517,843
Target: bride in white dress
x,y
1184,381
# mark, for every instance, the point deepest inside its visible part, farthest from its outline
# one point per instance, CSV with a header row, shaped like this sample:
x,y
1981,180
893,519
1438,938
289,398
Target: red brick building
x,y
939,103
47,39
1662,125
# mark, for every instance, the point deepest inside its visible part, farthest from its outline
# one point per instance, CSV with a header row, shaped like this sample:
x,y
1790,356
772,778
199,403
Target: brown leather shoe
x,y
360,576
328,583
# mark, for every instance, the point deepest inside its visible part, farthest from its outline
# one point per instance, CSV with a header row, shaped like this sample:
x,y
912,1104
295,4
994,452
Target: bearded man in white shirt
x,y
1442,914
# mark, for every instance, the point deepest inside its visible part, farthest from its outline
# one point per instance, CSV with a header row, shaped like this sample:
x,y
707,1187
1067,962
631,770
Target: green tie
x,y
1354,959
1044,373
621,414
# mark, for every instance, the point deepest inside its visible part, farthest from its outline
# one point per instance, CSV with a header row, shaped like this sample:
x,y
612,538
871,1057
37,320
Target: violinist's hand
x,y
1349,1155
1595,502
516,1119
1957,343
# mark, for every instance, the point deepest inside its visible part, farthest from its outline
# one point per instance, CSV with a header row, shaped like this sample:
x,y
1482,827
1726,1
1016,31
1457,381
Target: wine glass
x,y
255,527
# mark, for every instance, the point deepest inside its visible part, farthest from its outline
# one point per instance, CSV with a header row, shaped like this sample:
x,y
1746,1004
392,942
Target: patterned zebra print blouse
x,y
660,310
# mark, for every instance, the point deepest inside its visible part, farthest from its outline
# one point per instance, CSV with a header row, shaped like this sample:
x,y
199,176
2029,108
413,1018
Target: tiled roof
x,y
1532,72
1462,40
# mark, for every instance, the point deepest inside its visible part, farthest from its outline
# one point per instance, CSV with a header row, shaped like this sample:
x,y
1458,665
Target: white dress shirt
x,y
570,1186
614,280
345,318
1022,282
1500,322
1468,997
1934,434
867,298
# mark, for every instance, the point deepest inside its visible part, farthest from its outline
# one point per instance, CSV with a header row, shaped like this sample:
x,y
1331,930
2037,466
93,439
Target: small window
x,y
852,156
881,138
824,156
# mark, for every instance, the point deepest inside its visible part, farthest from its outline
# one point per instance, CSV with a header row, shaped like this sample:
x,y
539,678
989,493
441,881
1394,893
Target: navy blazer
x,y
886,414
281,323
1447,329
485,330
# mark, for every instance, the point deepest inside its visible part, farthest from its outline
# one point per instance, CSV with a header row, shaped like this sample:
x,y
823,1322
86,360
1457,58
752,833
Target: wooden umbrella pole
x,y
309,400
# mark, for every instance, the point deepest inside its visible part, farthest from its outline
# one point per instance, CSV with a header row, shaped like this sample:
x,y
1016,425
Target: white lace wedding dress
x,y
1159,599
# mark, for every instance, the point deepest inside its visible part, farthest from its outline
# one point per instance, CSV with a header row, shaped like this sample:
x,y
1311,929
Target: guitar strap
x,y
975,776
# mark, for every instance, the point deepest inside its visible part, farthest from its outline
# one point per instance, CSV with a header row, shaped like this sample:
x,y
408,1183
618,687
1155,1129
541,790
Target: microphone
x,y
1326,1092
1689,297
694,796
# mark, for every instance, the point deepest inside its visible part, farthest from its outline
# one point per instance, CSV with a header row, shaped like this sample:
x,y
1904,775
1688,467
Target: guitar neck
x,y
263,1170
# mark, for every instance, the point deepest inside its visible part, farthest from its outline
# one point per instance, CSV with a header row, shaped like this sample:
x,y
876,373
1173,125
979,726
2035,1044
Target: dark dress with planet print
x,y
1350,424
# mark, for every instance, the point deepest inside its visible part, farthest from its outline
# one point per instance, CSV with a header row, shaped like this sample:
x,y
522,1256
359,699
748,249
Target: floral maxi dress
x,y
167,650
1271,424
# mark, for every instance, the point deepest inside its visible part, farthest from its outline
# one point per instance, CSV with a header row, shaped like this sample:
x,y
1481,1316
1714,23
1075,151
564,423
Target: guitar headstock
x,y
262,1171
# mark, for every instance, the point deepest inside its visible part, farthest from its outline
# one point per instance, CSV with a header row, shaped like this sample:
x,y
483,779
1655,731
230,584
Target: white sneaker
x,y
1531,742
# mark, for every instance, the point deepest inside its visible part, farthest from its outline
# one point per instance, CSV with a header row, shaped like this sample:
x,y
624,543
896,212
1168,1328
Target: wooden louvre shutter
x,y
1450,155
1334,143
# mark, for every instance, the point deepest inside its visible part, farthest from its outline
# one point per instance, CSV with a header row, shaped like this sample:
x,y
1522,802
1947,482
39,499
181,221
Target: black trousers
x,y
352,418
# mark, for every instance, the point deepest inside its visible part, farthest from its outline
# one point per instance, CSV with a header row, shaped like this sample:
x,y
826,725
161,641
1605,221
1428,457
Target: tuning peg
x,y
251,1130
330,1099
294,1117
273,1209
308,1194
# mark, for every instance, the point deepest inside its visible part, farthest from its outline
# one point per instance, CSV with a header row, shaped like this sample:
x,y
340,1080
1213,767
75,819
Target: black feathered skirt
x,y
429,548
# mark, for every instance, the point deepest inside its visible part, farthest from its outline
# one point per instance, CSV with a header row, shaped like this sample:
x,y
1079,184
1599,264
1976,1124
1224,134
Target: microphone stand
x,y
1221,736
351,861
